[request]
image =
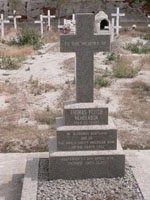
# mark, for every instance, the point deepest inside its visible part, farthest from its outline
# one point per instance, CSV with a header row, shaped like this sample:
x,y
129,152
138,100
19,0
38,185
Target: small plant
x,y
138,48
146,36
38,88
101,82
47,117
111,57
27,37
123,69
8,63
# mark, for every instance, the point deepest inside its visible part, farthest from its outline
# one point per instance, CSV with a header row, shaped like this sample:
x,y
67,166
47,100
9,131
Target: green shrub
x,y
146,36
122,69
138,48
101,82
27,37
8,63
111,57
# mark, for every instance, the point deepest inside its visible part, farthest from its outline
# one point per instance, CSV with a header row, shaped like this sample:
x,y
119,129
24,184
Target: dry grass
x,y
137,100
24,138
8,88
47,117
14,51
38,88
51,36
145,62
123,68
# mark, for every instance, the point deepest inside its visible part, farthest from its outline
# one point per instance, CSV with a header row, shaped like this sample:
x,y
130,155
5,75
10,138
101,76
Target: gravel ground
x,y
125,188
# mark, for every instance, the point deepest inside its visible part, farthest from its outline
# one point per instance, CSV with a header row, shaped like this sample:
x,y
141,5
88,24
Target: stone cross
x,y
41,22
2,21
84,43
49,16
15,17
117,15
112,27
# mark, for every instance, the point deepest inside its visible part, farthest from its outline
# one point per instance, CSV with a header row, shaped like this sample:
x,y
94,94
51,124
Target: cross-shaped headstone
x,y
15,17
2,21
49,16
84,43
41,22
112,27
117,15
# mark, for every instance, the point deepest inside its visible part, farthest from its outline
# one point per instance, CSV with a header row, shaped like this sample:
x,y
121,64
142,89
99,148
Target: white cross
x,y
2,21
148,24
117,15
73,18
41,22
15,17
112,27
49,16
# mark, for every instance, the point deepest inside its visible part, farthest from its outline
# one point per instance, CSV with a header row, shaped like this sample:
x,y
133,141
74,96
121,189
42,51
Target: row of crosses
x,y
67,23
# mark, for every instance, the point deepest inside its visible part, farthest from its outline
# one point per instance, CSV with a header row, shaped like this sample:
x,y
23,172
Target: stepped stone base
x,y
85,164
84,138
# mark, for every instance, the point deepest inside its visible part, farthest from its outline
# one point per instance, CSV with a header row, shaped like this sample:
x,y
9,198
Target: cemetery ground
x,y
36,80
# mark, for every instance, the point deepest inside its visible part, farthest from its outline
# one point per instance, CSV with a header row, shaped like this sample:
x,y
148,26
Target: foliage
x,y
139,1
27,37
123,69
146,36
111,57
100,81
8,63
15,3
138,48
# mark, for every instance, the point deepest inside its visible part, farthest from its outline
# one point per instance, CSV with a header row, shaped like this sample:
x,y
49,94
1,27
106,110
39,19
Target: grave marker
x,y
112,27
84,43
41,22
85,145
117,15
49,16
3,22
148,18
15,17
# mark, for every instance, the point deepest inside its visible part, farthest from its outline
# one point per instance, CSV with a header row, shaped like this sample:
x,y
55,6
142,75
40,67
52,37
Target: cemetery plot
x,y
32,95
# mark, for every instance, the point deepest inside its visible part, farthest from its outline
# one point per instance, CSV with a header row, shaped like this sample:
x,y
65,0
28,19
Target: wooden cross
x,y
2,21
117,15
41,22
148,24
49,16
15,17
84,43
112,27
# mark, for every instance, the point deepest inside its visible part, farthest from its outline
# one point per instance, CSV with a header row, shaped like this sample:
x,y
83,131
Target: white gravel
x,y
125,188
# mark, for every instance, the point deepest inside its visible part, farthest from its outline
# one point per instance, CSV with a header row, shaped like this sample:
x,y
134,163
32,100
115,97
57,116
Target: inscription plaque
x,y
81,140
86,116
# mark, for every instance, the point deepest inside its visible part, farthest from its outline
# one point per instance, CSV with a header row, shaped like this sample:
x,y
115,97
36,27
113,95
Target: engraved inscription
x,y
87,140
78,161
85,44
92,116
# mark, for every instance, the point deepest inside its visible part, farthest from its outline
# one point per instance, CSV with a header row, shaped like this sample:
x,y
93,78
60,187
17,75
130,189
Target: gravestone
x,y
86,144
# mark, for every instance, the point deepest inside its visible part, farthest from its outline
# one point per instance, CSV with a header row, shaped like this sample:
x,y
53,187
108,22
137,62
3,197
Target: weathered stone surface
x,y
86,164
84,43
86,114
82,138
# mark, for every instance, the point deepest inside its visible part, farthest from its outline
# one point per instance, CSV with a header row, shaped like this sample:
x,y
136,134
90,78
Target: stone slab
x,y
91,137
86,164
86,114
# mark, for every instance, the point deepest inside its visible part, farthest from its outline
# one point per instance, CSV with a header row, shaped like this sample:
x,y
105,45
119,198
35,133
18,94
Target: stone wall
x,y
31,9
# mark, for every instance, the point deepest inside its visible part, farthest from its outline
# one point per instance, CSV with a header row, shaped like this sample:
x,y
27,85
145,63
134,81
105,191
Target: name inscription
x,y
91,116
